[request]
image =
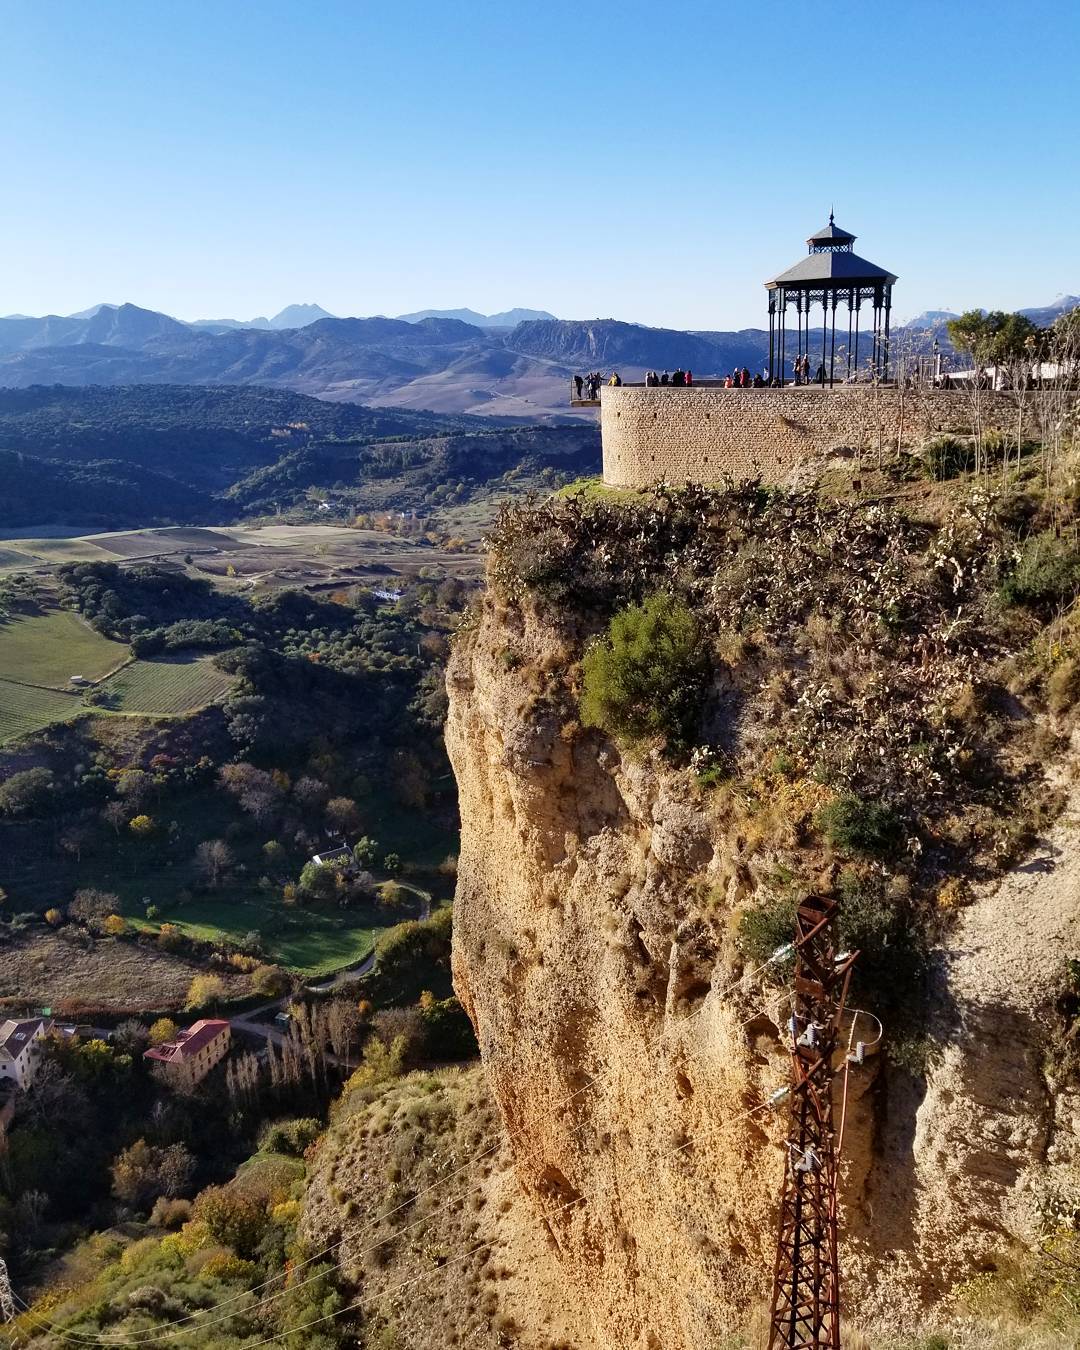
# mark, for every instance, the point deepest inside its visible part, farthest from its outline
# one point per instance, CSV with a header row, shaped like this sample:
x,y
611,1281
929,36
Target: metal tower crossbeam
x,y
806,1283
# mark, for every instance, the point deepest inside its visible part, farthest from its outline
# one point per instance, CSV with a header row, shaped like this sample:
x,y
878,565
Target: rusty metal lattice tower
x,y
806,1282
7,1301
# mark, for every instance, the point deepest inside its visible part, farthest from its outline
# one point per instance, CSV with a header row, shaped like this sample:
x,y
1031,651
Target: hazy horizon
x,y
215,163
269,314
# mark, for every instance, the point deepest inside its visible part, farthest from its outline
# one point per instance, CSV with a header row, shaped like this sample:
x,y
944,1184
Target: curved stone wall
x,y
702,433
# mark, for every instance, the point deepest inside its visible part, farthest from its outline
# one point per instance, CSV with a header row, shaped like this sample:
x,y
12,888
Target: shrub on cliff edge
x,y
858,826
647,678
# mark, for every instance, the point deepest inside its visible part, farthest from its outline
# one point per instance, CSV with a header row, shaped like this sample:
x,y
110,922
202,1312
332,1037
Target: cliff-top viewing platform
x,y
826,387
707,431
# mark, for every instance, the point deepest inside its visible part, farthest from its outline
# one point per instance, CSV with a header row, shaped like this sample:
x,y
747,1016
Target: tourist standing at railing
x,y
689,378
678,378
804,369
664,378
579,384
615,381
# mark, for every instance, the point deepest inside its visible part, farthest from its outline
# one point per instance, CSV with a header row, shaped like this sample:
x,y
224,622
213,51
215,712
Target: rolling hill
x,y
150,454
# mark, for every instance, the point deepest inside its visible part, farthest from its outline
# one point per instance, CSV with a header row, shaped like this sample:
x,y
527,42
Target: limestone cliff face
x,y
629,1053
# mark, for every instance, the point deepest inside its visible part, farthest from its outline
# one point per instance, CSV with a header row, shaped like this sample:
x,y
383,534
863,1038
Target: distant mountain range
x,y
508,318
292,316
1041,314
437,362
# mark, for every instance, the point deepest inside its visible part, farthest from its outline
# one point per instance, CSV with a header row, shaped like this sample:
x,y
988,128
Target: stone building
x,y
187,1060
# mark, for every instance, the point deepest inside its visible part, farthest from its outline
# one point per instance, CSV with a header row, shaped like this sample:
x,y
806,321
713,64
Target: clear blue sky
x,y
645,161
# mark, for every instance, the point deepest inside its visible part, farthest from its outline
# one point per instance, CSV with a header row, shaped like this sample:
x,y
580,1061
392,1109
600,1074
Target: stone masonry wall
x,y
702,433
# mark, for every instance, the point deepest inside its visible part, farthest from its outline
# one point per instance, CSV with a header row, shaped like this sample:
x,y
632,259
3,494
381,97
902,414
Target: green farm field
x,y
47,649
25,709
312,941
167,687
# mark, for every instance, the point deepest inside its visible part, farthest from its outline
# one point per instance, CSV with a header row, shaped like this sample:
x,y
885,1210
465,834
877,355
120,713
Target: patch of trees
x,y
171,424
124,602
412,958
995,338
164,454
29,793
99,493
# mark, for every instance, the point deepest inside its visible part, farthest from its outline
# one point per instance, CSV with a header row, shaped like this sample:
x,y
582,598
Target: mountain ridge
x,y
438,363
507,318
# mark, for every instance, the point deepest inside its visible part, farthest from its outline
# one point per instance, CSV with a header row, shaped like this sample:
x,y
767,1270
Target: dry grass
x,y
62,971
371,1176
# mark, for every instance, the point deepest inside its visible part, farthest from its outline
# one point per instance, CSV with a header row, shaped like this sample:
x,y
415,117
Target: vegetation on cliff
x,y
867,687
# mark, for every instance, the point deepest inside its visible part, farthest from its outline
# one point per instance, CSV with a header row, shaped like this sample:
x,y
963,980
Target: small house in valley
x,y
333,855
20,1048
185,1061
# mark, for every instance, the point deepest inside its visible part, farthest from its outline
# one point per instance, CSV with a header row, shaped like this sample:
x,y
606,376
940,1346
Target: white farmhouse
x,y
20,1048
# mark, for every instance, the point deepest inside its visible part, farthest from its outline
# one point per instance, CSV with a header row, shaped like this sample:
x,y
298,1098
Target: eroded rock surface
x,y
630,1053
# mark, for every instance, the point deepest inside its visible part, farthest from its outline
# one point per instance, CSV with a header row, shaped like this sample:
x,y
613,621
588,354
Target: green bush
x,y
770,926
867,923
448,1033
647,678
892,950
290,1136
232,1218
1045,576
858,826
947,456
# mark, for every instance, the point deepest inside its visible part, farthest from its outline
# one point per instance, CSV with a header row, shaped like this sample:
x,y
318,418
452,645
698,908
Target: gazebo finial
x,y
831,221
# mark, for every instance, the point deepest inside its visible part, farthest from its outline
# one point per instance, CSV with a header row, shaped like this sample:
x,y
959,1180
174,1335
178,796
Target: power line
x,y
360,1303
163,1334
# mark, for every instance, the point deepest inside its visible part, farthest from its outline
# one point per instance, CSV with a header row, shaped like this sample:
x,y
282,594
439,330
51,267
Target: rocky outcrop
x,y
631,1054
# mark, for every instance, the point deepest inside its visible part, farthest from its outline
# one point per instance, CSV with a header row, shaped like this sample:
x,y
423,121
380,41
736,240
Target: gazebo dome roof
x,y
840,269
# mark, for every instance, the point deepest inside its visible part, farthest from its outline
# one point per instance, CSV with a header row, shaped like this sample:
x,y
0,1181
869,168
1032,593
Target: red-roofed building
x,y
187,1060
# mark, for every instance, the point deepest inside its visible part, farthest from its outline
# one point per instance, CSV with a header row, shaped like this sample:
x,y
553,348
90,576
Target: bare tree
x,y
342,1026
74,839
90,904
213,858
135,787
115,814
1058,403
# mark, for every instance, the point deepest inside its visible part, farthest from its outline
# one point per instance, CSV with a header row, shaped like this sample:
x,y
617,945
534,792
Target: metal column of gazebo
x,y
829,276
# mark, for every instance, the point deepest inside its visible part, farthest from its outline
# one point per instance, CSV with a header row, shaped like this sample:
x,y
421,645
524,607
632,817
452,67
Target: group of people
x,y
680,379
742,379
800,366
588,386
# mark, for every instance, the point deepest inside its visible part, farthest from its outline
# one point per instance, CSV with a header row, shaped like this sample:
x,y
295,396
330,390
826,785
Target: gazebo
x,y
831,274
